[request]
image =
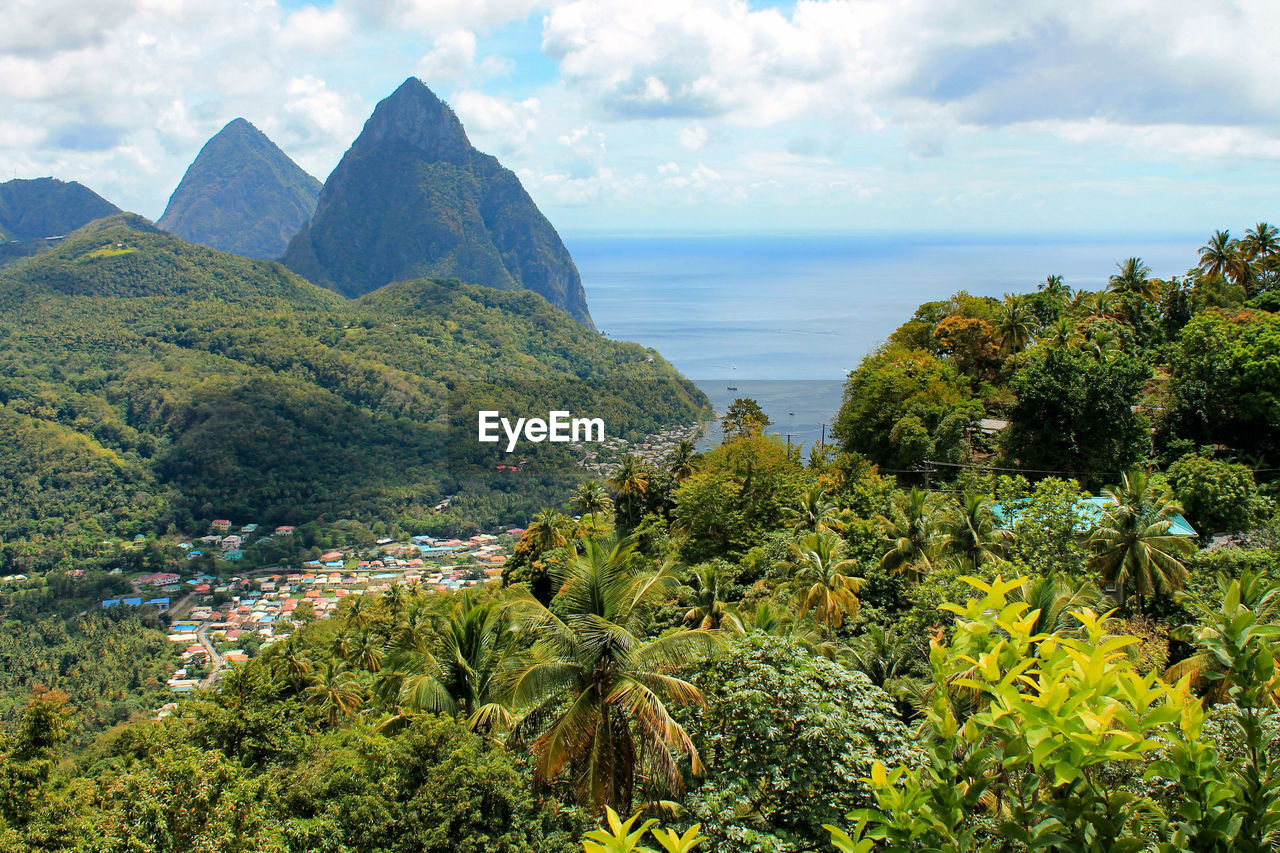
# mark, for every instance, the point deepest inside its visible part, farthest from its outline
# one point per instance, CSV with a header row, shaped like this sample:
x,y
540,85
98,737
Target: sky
x,y
692,115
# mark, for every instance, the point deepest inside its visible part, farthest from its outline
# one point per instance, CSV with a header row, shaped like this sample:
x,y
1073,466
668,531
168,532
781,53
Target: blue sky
x,y
715,115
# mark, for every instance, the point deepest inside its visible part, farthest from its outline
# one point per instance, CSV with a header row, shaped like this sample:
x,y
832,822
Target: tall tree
x,y
451,667
1015,324
1131,540
590,498
630,484
598,687
912,535
972,533
823,578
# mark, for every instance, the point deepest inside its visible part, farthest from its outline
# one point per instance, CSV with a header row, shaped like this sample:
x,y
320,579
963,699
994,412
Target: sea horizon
x,y
784,317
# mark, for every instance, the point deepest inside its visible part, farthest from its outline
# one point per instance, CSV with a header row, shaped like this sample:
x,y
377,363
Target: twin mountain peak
x,y
411,198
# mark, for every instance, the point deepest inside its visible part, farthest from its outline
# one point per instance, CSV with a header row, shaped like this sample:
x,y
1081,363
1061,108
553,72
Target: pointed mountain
x,y
47,207
412,198
242,194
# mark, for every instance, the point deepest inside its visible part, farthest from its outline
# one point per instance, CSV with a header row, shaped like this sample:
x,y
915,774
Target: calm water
x,y
784,318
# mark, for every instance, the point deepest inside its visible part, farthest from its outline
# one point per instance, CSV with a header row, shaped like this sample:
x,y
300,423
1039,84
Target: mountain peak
x,y
32,209
413,199
242,194
413,116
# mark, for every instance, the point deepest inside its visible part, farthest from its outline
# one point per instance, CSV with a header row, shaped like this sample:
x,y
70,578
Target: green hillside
x,y
164,383
242,194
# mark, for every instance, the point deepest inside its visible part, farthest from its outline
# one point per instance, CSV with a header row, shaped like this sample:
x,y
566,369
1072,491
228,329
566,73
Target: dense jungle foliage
x,y
150,384
744,650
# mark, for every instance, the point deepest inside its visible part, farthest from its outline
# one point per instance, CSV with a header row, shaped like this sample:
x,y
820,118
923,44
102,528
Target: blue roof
x,y
110,602
132,602
1088,510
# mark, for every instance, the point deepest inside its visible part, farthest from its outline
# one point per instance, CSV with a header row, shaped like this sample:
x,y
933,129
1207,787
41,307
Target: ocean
x,y
784,318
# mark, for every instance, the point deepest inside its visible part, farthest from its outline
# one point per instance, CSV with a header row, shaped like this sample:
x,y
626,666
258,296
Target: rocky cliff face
x,y
242,194
412,198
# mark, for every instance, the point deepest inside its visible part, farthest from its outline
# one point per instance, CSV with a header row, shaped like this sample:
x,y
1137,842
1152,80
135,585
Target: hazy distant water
x,y
793,314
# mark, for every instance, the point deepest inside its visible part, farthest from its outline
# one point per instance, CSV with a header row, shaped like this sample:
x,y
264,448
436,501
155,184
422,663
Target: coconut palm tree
x,y
550,529
1222,257
1131,540
680,463
1060,334
885,658
291,664
816,510
1015,324
335,691
1133,280
823,582
590,498
630,484
971,532
598,688
912,536
708,608
1053,599
1056,289
365,651
452,667
1261,241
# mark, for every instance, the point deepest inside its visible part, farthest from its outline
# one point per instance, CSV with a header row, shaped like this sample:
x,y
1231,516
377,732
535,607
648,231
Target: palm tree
x,y
822,580
589,499
1131,540
290,663
1060,334
452,669
365,651
630,484
1054,599
972,533
550,529
1221,257
680,462
1015,324
1133,280
1261,241
911,534
816,510
598,687
335,691
886,659
395,600
1056,289
1261,248
708,609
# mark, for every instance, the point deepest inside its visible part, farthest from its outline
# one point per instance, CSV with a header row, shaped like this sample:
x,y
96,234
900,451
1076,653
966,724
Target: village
x,y
218,621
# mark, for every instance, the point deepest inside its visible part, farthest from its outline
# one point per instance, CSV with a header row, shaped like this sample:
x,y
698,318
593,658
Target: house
x,y
991,426
231,543
249,528
235,554
161,604
1088,512
330,556
221,524
285,530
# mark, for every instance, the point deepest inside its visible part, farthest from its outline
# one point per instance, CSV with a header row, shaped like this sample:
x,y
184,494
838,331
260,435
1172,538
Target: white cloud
x,y
692,136
499,122
316,29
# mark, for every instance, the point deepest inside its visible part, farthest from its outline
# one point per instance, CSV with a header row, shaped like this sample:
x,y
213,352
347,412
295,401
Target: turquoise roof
x,y
1089,509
